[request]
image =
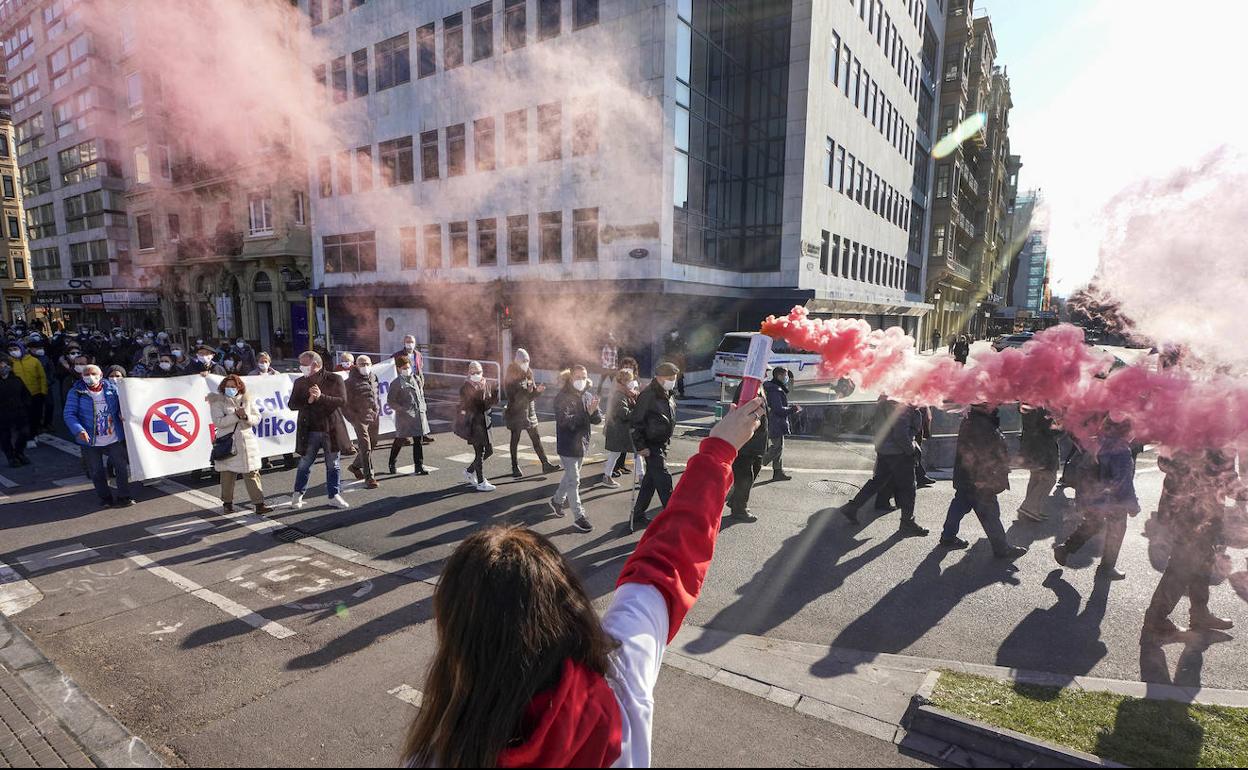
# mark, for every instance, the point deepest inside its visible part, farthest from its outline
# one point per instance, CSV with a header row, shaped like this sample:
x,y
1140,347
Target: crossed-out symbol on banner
x,y
165,425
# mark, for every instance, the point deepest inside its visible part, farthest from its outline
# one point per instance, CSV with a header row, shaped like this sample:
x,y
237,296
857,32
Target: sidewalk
x,y
47,721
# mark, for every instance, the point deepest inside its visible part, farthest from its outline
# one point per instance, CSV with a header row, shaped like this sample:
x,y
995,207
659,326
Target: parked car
x,y
734,348
1012,341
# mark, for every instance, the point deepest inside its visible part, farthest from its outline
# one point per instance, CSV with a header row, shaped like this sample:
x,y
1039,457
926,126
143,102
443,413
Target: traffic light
x,y
506,317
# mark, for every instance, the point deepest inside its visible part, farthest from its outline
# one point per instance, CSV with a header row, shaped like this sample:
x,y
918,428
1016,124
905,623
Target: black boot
x,y
515,472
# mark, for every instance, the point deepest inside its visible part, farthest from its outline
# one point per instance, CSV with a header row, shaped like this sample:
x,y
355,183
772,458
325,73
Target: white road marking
x,y
465,458
56,442
405,470
16,593
7,483
408,694
56,558
180,527
228,606
164,628
439,422
76,481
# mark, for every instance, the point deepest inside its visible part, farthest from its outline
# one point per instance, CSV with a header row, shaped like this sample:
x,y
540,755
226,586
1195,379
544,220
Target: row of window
x,y
855,82
260,219
45,264
319,10
396,160
849,175
86,211
90,160
18,259
426,247
845,258
392,57
888,37
87,260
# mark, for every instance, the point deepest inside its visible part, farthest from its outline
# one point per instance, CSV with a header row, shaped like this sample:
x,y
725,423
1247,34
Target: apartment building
x,y
1029,271
16,283
695,165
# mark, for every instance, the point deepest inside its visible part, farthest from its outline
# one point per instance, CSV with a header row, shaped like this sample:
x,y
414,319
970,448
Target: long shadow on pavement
x,y
1061,637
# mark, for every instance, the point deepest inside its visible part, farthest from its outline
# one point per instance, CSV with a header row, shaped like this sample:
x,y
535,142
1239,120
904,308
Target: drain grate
x,y
832,488
290,535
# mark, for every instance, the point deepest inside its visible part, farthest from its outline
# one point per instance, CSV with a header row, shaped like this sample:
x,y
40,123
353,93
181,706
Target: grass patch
x,y
1131,731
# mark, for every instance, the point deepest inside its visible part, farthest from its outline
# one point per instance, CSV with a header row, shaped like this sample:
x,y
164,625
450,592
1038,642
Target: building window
x,y
483,143
456,151
344,172
89,260
143,226
409,259
938,241
838,174
585,127
359,72
10,190
36,179
585,234
260,213
325,175
517,128
390,57
514,20
142,165
350,253
549,19
433,246
363,169
482,31
825,252
300,208
174,224
584,13
458,232
4,146
836,255
4,268
429,155
453,41
551,234
829,151
426,51
334,8
46,264
549,132
134,94
318,74
396,161
518,239
942,180
15,228
338,79
487,242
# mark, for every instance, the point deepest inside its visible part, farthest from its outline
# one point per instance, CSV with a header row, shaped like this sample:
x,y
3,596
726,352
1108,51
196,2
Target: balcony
x,y
967,177
221,244
959,219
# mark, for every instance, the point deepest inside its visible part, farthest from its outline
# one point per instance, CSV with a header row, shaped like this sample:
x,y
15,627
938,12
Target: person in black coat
x,y
961,349
622,399
14,426
779,412
363,411
576,410
319,396
205,362
476,397
1038,444
981,471
747,466
654,423
898,427
520,414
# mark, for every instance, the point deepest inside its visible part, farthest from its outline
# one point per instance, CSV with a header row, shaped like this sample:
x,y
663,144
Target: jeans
x,y
986,508
658,479
615,460
569,490
480,454
1039,485
775,455
745,470
116,454
364,448
333,479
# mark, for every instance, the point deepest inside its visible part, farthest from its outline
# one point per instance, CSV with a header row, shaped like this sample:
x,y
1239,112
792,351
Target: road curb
x,y
105,740
965,742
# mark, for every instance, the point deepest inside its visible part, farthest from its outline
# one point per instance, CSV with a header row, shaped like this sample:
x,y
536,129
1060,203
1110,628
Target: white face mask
x,y
668,385
205,360
476,377
165,365
405,372
524,367
91,379
409,346
366,370
307,370
580,385
634,387
263,366
229,363
80,368
240,344
231,392
15,353
37,351
176,353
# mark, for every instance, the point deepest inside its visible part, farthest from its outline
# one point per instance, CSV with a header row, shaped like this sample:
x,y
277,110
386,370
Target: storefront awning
x,y
859,307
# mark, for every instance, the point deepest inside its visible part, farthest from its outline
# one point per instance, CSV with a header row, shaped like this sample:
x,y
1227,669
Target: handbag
x,y
223,447
463,426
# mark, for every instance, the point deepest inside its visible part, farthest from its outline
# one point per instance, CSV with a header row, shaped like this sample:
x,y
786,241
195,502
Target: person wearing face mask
x,y
520,414
235,414
38,347
476,398
179,358
576,410
14,405
363,411
30,371
321,349
346,362
406,397
264,366
115,373
244,356
319,396
413,355
618,431
164,368
778,415
93,416
205,363
621,468
653,423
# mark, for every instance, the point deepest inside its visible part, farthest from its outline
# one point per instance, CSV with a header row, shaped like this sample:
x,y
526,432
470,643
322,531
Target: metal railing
x,y
440,372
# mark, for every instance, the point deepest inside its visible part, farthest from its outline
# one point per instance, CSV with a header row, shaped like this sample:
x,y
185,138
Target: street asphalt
x,y
219,643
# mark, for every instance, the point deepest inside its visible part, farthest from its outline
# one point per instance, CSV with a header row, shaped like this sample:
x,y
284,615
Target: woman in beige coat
x,y
232,412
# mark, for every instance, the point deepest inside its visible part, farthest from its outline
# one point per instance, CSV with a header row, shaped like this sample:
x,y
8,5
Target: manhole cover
x,y
835,488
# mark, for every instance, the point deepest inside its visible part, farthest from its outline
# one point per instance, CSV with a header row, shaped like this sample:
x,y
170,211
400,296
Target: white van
x,y
735,347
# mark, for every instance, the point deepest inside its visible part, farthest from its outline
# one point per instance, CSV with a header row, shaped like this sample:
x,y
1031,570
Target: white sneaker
x,y
338,502
485,487
296,500
470,478
609,483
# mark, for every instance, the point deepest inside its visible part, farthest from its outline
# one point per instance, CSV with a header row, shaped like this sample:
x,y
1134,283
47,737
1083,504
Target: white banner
x,y
169,427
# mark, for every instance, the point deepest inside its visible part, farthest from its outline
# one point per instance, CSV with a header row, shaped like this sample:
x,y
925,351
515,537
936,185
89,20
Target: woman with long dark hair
x,y
527,675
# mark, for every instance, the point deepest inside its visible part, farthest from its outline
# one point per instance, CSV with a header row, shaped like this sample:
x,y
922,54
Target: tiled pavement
x,y
29,735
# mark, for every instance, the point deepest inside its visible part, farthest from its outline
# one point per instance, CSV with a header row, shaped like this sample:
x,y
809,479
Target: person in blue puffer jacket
x,y
93,415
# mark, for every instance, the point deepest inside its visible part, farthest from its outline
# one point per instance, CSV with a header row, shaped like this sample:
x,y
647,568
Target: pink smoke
x,y
1056,370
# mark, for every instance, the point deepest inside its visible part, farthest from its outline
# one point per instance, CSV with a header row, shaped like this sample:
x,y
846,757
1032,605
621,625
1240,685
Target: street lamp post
x,y
939,319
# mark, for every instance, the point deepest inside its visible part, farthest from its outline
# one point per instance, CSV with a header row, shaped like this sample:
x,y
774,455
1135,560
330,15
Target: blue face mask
x,y
231,392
